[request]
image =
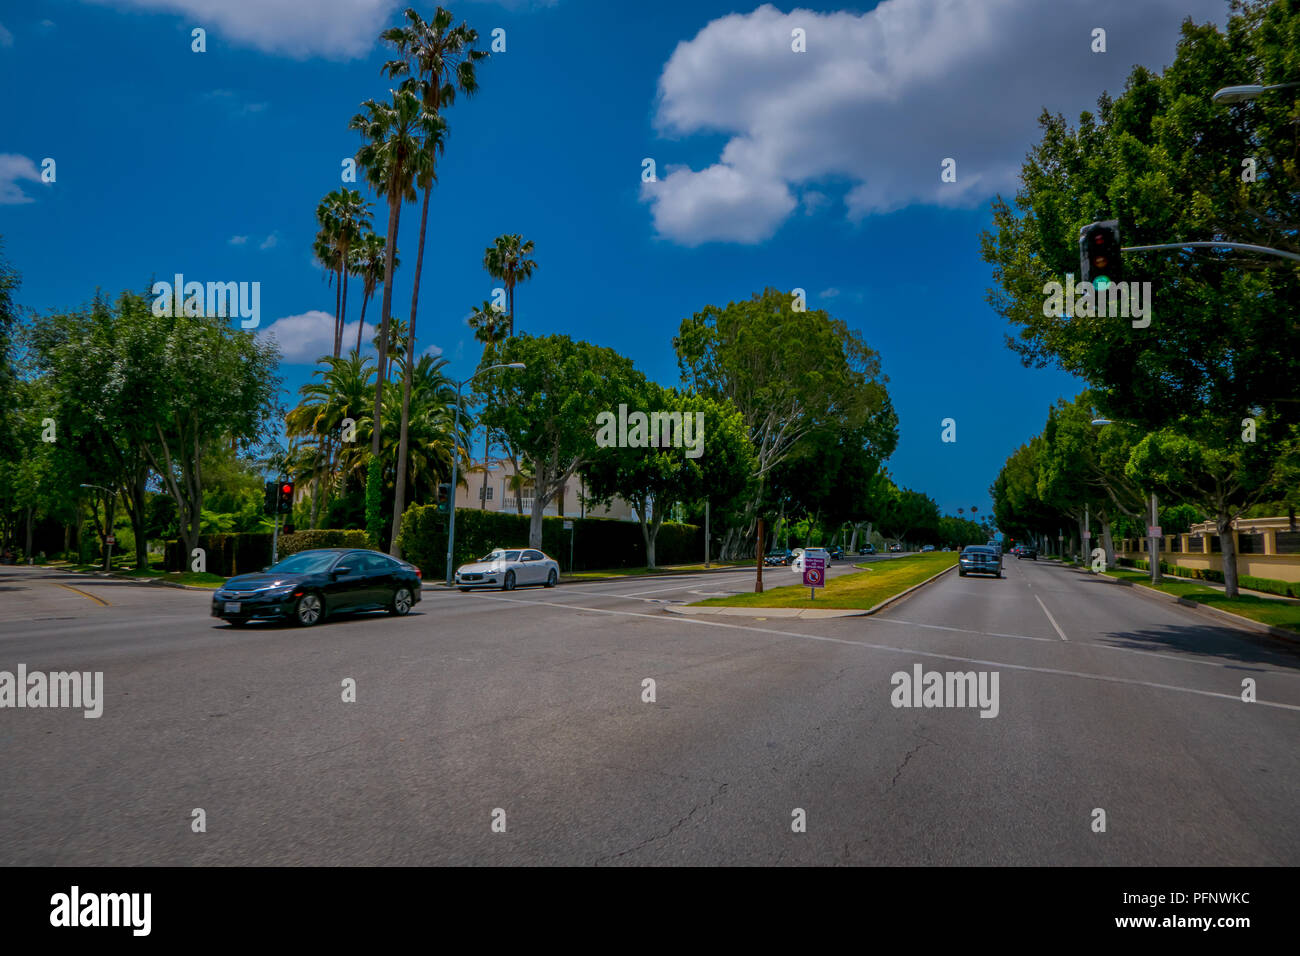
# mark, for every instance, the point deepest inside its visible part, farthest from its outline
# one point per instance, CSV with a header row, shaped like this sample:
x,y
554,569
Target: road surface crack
x,y
722,788
907,758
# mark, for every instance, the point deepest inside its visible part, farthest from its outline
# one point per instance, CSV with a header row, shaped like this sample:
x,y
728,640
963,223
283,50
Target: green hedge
x,y
1249,581
227,554
231,554
321,538
598,543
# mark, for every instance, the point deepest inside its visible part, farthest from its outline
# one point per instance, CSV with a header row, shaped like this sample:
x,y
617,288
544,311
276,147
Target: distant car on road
x,y
895,548
995,545
309,586
946,550
927,548
506,568
980,559
1024,551
868,549
777,558
837,554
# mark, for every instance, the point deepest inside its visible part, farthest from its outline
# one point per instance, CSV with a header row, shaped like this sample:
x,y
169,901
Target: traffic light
x,y
444,498
1100,260
286,498
270,505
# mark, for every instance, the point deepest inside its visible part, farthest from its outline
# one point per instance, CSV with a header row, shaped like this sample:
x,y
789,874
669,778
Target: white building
x,y
494,488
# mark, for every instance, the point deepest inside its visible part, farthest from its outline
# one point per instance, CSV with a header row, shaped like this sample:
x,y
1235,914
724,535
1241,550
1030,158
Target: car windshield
x,y
304,562
501,556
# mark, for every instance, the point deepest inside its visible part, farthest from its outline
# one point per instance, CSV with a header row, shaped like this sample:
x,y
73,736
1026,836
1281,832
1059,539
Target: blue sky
x,y
818,170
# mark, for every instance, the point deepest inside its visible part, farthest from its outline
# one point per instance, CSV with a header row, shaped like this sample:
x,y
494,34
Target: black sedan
x,y
778,558
307,586
1024,551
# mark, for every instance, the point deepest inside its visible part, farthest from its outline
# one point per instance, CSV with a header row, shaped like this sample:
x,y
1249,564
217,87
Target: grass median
x,y
1263,610
863,589
669,569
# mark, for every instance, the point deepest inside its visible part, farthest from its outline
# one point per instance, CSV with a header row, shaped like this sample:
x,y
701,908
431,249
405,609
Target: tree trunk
x,y
535,521
1108,543
1228,548
399,498
394,218
28,550
343,307
365,299
338,325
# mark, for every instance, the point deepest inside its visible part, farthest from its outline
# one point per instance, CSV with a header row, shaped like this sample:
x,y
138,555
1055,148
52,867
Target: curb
x,y
812,613
147,582
915,587
1227,617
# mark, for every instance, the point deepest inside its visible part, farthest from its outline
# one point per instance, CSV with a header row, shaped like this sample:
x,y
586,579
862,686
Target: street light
x,y
1153,548
108,554
1242,94
455,462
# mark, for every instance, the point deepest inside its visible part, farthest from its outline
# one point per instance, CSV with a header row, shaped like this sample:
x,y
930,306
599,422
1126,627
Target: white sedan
x,y
506,568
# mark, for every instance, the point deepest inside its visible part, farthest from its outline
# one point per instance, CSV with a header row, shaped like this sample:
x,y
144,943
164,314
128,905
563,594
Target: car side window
x,y
377,562
533,556
359,562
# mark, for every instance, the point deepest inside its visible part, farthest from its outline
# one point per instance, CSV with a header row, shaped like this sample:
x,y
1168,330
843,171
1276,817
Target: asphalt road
x,y
531,703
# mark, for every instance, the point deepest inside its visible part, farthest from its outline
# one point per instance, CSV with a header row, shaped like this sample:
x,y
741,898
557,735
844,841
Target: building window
x,y
1288,542
1196,544
1176,543
485,493
1215,547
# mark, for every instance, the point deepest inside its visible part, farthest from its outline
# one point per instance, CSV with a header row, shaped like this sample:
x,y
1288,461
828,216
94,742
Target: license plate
x,y
232,607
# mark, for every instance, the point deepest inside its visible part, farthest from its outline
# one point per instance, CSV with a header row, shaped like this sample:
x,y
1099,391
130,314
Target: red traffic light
x,y
287,489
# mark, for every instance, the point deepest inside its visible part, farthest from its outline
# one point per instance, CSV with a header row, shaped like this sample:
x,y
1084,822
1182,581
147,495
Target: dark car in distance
x,y
1025,551
779,557
980,559
309,586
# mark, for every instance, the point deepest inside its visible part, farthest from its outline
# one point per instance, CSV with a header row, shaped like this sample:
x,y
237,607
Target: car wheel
x,y
509,583
464,589
401,602
552,579
309,609
961,573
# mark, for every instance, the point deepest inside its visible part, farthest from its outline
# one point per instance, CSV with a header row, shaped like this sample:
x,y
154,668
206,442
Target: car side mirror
x,y
265,569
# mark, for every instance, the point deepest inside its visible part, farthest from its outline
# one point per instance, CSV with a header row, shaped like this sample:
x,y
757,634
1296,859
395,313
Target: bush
x,y
598,543
226,554
321,538
1269,586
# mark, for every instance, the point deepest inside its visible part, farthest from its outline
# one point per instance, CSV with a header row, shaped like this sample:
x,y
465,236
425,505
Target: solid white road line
x,y
1050,618
913,652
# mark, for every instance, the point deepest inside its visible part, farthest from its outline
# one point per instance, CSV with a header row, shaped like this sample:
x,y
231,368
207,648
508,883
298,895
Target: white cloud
x,y
830,293
238,240
270,241
433,351
339,29
14,167
304,338
6,38
881,98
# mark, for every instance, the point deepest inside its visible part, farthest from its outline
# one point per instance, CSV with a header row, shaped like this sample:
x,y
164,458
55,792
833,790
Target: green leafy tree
x,y
653,479
791,374
547,411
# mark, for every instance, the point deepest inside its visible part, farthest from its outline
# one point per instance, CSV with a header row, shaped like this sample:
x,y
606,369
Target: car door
x,y
346,582
376,570
533,570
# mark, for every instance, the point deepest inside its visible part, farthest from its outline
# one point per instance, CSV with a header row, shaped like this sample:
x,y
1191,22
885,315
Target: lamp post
x,y
455,461
108,544
1153,543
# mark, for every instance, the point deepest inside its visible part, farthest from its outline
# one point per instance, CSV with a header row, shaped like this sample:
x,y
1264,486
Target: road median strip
x,y
859,594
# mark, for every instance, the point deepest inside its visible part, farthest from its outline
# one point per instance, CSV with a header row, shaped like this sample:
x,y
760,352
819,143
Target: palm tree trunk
x,y
394,215
338,325
395,548
343,309
365,298
510,292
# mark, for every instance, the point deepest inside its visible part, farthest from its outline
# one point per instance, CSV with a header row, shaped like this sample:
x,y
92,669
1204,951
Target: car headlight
x,y
282,590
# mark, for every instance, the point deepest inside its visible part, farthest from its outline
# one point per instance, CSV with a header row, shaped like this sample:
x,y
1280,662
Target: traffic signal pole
x,y
1244,247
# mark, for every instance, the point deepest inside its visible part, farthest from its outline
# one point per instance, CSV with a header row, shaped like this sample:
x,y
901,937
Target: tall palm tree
x,y
344,216
368,265
394,135
506,259
439,59
489,324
